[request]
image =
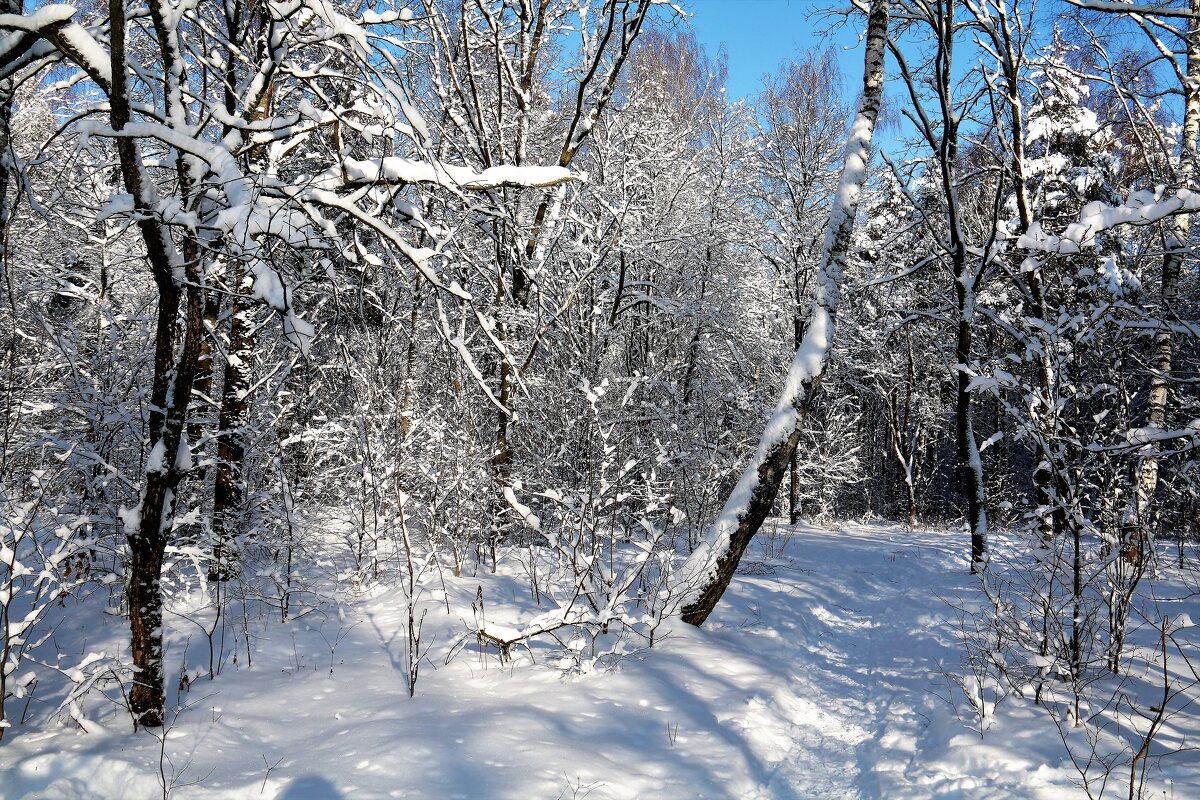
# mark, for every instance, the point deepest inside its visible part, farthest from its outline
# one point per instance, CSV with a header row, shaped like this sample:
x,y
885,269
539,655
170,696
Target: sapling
x,y
37,544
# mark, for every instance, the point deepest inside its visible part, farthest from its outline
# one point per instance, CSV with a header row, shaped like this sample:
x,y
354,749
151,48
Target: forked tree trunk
x,y
966,280
709,570
148,530
149,534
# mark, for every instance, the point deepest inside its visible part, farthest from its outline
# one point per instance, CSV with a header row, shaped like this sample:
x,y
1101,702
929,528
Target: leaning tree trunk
x,y
708,571
794,468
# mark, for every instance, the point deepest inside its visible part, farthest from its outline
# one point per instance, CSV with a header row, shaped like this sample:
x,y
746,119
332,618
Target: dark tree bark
x,y
1009,44
174,375
6,98
231,439
941,134
228,485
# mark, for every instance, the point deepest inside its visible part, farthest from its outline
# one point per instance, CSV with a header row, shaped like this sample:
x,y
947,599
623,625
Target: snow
x,y
1142,207
131,519
92,57
337,24
396,169
807,363
1152,9
268,287
298,331
154,461
522,510
1044,125
821,675
183,457
372,17
45,16
1147,435
417,122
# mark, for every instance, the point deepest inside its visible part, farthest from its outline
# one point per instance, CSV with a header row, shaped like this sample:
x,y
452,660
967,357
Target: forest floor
x,y
824,674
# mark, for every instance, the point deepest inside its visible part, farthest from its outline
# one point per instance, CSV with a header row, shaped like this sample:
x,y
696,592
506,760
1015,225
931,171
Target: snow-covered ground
x,y
823,674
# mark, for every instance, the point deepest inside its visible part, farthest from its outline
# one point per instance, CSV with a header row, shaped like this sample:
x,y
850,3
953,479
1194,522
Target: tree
x,y
216,221
939,119
710,568
798,150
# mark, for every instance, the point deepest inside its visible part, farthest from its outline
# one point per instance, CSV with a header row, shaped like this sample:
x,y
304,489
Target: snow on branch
x,y
354,172
54,24
1117,6
1140,208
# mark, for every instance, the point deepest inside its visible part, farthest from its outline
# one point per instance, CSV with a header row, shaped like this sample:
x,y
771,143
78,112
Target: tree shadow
x,y
310,787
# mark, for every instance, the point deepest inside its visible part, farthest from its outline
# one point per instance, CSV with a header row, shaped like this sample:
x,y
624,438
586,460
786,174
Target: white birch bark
x,y
707,573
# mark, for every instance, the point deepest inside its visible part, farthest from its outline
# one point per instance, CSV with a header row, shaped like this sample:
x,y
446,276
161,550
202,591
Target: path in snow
x,y
847,638
817,677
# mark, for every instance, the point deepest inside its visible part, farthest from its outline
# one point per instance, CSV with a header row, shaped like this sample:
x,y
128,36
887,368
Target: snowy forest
x,y
471,398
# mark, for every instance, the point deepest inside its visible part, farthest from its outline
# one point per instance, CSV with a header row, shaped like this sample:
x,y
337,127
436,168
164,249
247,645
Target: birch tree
x,y
798,158
707,572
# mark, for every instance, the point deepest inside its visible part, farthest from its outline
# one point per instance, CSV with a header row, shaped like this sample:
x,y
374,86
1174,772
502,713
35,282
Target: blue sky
x,y
760,34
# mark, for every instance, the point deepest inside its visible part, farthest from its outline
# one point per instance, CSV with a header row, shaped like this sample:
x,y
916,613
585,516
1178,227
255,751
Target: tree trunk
x,y
709,570
6,96
794,473
407,399
1008,45
502,452
148,527
970,462
205,370
231,440
228,486
173,379
794,490
694,344
1136,526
